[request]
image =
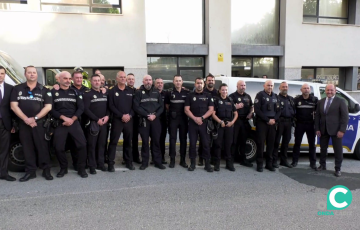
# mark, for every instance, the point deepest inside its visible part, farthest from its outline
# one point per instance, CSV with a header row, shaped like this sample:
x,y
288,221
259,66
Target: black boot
x,y
201,161
208,167
82,173
217,165
183,162
245,162
46,174
192,165
172,162
230,165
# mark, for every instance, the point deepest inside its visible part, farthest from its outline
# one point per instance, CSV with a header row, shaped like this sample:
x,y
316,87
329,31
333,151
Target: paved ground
x,y
177,199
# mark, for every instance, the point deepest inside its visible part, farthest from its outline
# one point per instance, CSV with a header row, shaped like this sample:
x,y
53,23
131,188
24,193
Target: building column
x,y
348,78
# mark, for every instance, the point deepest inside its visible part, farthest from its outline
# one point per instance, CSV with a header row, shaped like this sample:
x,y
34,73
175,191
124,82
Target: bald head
x,y
64,79
241,86
269,86
147,82
305,90
330,90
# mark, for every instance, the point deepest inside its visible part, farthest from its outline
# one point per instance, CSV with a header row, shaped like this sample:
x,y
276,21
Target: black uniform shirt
x,y
199,103
224,108
213,93
287,106
80,91
95,105
266,106
176,100
305,108
245,99
121,101
163,97
67,103
148,102
30,101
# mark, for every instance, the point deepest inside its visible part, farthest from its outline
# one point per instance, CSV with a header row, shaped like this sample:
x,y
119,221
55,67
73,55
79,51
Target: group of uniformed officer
x,y
79,117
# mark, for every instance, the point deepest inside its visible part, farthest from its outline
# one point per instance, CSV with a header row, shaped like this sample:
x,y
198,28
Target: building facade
x,y
309,40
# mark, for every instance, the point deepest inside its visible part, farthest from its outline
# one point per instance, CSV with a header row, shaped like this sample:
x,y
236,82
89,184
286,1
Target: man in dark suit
x,y
5,126
331,119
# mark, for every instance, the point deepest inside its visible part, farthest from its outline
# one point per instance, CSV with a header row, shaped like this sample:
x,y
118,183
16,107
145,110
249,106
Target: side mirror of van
x,y
357,108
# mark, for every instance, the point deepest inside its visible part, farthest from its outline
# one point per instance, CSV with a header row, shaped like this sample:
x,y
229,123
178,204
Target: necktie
x,y
328,105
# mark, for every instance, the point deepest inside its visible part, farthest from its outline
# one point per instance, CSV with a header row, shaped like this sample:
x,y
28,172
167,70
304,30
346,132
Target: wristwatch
x,y
202,118
36,118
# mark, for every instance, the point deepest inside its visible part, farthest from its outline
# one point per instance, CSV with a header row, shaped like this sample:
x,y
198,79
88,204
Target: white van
x,y
351,143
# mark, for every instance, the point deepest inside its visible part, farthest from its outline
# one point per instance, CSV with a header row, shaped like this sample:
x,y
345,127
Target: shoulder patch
x,y
80,97
49,94
256,100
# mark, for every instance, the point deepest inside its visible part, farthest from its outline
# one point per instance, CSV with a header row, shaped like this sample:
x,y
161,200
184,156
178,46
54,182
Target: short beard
x,y
147,87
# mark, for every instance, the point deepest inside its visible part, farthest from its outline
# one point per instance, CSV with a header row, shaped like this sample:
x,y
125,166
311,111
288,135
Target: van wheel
x,y
357,151
16,157
250,149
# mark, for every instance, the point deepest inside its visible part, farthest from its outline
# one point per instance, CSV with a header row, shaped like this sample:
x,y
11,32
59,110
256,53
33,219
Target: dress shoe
x,y
160,166
246,163
28,176
230,165
208,167
92,171
164,162
137,161
337,173
275,165
286,164
270,168
62,173
183,162
82,173
313,166
259,169
320,168
47,175
294,164
8,178
143,167
102,168
172,162
111,168
130,166
217,166
201,161
192,165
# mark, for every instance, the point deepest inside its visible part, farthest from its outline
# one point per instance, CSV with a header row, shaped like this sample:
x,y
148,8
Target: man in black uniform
x,y
267,111
96,116
305,105
6,126
149,106
199,106
242,128
283,131
120,104
178,120
209,88
31,102
130,82
159,85
68,108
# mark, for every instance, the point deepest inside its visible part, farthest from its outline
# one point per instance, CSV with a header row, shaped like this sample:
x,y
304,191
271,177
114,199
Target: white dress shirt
x,y
2,90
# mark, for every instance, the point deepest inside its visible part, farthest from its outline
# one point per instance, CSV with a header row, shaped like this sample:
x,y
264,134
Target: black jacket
x,y
148,102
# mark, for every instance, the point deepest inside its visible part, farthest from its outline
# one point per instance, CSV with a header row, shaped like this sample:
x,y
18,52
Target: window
x,y
14,5
173,21
166,67
358,85
82,6
322,75
325,11
255,22
255,66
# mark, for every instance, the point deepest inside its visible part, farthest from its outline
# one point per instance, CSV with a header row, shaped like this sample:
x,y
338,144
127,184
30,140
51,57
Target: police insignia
x,y
20,93
80,97
256,100
282,103
174,96
220,102
95,96
299,103
56,94
143,92
117,94
212,99
239,99
267,99
49,94
194,98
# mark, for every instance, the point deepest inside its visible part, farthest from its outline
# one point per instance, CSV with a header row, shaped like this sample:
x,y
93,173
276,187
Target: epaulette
x,y
87,90
111,87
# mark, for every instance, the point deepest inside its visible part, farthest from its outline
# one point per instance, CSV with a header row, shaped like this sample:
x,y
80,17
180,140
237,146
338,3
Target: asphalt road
x,y
176,199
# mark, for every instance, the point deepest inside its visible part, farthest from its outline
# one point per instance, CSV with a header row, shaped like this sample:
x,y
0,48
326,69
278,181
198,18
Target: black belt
x,y
285,119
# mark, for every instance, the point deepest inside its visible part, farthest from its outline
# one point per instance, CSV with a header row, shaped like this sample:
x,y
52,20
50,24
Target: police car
x,y
351,142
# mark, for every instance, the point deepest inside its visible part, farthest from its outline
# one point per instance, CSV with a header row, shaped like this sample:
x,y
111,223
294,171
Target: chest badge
x,y
174,96
80,97
220,102
299,103
49,94
267,99
212,99
143,92
95,96
56,94
239,99
117,94
282,103
20,93
194,98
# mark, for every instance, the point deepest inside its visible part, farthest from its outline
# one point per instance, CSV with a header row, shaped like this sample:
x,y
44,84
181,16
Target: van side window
x,y
252,88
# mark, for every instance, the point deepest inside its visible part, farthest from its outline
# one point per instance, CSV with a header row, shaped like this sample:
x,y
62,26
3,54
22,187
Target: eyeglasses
x,y
30,94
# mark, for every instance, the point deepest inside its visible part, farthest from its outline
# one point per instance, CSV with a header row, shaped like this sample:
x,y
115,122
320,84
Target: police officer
x,y
267,111
149,106
68,108
120,104
225,115
159,85
209,88
130,82
284,126
175,102
96,116
242,128
31,102
199,106
305,106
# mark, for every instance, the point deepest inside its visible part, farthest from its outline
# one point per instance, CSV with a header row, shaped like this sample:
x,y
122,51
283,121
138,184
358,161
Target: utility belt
x,y
285,119
142,120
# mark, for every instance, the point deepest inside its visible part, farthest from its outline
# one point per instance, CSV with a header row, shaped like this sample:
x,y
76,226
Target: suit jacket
x,y
336,119
5,109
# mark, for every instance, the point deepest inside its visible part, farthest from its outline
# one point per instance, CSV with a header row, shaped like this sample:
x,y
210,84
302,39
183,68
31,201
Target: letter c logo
x,y
344,198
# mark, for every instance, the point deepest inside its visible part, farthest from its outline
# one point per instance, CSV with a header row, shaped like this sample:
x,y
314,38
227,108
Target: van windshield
x,y
14,72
